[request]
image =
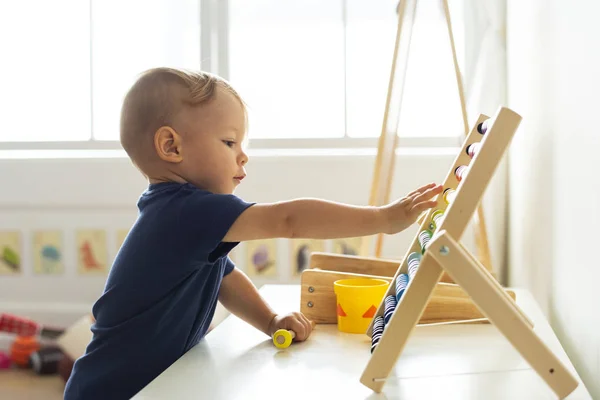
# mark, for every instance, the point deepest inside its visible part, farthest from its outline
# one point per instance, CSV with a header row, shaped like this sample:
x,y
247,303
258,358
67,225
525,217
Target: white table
x,y
235,361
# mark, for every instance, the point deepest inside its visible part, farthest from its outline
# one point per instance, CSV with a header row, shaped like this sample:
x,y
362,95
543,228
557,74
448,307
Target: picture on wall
x,y
261,257
347,246
301,250
10,253
48,252
92,252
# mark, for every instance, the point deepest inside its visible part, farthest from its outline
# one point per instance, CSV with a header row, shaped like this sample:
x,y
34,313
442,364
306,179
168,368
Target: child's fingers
x,y
297,326
426,195
309,325
307,328
421,217
421,189
421,207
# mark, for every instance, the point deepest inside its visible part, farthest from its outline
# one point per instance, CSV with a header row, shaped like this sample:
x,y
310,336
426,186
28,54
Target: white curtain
x,y
485,90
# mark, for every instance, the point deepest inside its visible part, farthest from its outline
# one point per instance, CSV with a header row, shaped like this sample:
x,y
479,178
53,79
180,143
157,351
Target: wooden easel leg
x,y
481,238
487,294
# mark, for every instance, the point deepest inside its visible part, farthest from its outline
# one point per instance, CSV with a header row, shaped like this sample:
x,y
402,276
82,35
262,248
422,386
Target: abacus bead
x,y
378,326
473,149
424,238
460,172
390,306
413,256
449,195
437,216
482,127
412,270
401,284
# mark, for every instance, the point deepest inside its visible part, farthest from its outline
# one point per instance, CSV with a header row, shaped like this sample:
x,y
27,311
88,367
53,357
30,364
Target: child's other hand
x,y
294,321
402,213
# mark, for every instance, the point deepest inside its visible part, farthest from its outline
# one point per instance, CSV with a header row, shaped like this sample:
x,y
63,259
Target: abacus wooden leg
x,y
488,295
485,271
398,330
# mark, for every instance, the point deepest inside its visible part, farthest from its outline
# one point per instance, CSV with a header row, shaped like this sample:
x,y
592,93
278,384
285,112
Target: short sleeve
x,y
229,266
207,218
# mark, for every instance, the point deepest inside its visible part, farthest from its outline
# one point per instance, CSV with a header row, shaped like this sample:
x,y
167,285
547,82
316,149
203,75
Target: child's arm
x,y
239,296
322,219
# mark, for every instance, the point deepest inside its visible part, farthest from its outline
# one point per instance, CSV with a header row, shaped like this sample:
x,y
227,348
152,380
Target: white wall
x,y
69,194
554,82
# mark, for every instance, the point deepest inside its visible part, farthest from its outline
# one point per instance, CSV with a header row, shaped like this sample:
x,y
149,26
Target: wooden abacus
x,y
436,248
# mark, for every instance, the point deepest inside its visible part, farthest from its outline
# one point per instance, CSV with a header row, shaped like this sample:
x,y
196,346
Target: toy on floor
x,y
22,348
45,361
21,326
73,343
5,362
44,349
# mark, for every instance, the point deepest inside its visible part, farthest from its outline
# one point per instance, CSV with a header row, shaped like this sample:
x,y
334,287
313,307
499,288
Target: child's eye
x,y
229,143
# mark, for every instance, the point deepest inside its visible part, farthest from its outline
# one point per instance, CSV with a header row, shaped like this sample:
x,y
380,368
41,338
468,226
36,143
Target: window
x,y
320,69
130,36
45,70
316,69
287,60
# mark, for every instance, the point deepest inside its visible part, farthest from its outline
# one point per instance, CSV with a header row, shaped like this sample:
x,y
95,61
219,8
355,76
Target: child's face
x,y
213,144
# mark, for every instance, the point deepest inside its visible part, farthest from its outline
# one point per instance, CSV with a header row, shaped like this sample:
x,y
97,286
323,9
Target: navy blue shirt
x,y
161,292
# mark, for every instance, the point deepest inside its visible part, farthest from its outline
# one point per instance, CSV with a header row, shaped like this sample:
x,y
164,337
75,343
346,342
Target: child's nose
x,y
244,159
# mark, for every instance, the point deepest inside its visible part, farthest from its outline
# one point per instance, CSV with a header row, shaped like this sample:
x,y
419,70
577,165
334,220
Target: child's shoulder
x,y
193,211
190,197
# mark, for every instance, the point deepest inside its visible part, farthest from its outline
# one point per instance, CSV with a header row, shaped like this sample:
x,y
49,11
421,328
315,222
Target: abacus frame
x,y
444,252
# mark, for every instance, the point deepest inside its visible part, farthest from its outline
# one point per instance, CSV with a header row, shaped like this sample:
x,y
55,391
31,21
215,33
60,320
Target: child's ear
x,y
167,144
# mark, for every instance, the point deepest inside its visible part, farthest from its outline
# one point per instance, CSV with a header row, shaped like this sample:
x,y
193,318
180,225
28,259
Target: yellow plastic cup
x,y
357,302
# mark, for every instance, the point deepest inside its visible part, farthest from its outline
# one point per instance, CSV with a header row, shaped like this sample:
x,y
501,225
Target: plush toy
x,y
22,348
73,343
5,362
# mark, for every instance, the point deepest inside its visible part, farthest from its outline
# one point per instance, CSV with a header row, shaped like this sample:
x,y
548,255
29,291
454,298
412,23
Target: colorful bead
x,y
460,172
390,306
413,265
437,217
401,284
473,149
424,238
483,127
378,325
449,195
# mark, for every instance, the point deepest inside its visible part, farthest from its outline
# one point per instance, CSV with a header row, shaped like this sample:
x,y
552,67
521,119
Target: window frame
x,y
214,52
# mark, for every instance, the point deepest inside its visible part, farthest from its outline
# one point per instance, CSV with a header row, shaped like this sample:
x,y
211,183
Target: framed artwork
x,y
10,253
92,253
261,257
48,252
301,250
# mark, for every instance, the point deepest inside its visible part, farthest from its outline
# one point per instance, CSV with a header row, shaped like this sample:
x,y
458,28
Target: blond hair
x,y
156,98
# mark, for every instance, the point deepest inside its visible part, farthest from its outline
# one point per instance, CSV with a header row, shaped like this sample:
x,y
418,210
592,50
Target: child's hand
x,y
294,321
404,212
